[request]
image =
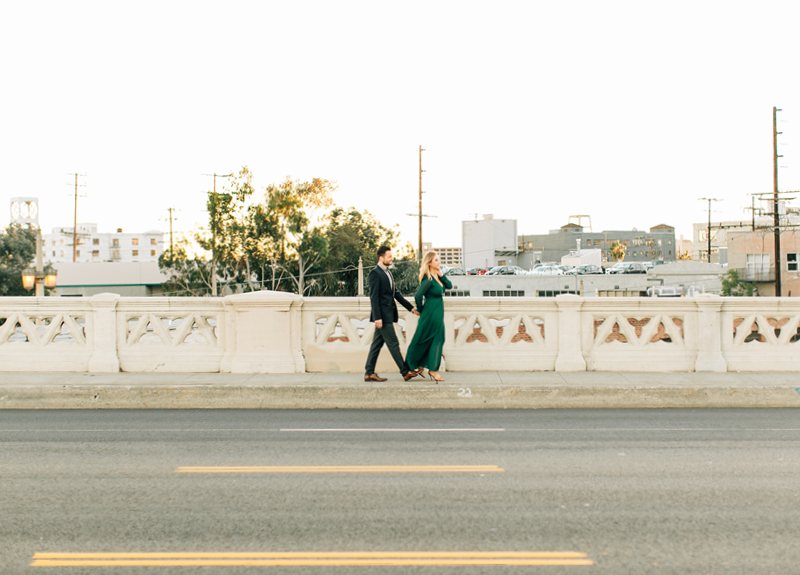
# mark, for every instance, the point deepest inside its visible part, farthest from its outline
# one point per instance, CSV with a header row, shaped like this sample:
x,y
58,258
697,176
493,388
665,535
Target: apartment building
x,y
94,246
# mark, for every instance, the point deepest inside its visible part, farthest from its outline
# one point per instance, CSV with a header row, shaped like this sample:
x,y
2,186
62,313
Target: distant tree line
x,y
289,236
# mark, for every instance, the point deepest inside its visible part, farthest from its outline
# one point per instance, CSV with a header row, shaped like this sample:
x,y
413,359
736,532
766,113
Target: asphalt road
x,y
632,491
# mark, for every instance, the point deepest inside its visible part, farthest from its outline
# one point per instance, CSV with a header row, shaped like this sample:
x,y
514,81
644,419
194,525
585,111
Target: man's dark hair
x,y
382,250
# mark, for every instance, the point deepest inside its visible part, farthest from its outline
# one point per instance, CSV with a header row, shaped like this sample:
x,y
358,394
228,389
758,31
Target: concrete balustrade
x,y
276,332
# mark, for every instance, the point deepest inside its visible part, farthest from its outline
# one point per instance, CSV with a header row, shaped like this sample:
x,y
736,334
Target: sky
x,y
624,111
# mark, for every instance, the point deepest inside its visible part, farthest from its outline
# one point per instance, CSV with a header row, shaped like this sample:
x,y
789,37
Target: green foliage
x,y
350,234
617,251
406,275
17,253
733,286
187,276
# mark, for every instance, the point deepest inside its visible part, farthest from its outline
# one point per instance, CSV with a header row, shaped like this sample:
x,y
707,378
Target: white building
x,y
488,242
102,247
450,257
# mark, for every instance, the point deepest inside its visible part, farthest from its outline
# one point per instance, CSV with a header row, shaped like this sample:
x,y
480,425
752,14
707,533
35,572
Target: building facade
x,y
97,247
488,243
752,255
657,244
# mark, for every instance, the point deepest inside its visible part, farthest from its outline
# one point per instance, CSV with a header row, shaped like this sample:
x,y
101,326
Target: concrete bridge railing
x,y
275,332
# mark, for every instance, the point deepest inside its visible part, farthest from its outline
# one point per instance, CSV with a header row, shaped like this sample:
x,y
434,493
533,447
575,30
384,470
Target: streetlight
x,y
37,277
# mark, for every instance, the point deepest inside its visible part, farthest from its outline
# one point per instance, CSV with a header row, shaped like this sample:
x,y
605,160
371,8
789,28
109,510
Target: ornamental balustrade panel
x,y
45,334
758,331
170,334
639,334
263,332
337,334
498,334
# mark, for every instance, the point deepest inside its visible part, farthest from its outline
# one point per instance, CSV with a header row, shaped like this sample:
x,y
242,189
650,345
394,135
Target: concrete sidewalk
x,y
484,390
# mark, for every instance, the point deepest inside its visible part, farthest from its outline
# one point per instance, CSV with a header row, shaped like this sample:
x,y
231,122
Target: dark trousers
x,y
385,335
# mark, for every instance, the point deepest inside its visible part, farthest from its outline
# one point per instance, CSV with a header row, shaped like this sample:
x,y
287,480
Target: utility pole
x,y
214,234
171,246
75,222
776,215
419,214
708,232
419,255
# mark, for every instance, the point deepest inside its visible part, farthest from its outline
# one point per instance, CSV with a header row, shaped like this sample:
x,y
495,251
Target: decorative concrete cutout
x,y
638,331
477,334
195,336
777,324
638,324
616,335
338,334
678,323
539,322
499,325
18,334
360,325
521,334
457,324
339,328
661,335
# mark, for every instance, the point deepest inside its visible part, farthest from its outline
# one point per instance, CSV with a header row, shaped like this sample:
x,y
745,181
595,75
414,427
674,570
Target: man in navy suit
x,y
382,295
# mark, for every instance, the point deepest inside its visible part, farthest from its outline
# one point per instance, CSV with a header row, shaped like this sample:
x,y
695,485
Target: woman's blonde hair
x,y
425,266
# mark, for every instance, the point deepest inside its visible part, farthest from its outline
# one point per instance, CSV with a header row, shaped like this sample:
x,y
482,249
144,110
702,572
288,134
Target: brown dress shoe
x,y
374,377
410,375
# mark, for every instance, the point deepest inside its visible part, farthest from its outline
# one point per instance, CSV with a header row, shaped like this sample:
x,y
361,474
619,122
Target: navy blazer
x,y
382,296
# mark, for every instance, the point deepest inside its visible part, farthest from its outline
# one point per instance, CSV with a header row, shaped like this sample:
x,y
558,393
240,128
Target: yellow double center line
x,y
333,558
348,469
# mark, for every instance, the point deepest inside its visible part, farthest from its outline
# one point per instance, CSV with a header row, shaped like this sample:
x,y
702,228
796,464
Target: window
x,y
135,253
457,293
152,252
553,293
659,242
78,253
95,253
152,241
54,243
791,262
757,264
95,241
54,252
115,242
135,241
503,293
703,235
62,253
62,241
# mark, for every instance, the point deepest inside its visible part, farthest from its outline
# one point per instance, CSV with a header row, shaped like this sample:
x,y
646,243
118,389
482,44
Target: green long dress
x,y
425,349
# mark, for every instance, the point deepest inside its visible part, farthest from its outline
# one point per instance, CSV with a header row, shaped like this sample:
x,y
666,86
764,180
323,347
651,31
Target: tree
x,y
351,234
685,256
187,276
291,217
17,253
733,286
617,251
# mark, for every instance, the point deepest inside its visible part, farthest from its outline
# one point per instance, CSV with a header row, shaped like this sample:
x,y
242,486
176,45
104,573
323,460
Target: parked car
x,y
476,271
547,271
455,272
506,271
627,268
585,269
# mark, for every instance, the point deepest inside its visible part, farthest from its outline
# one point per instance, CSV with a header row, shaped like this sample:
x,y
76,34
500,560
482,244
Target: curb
x,y
395,396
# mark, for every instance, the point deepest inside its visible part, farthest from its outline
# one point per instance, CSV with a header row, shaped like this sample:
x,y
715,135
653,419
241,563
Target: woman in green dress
x,y
425,349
